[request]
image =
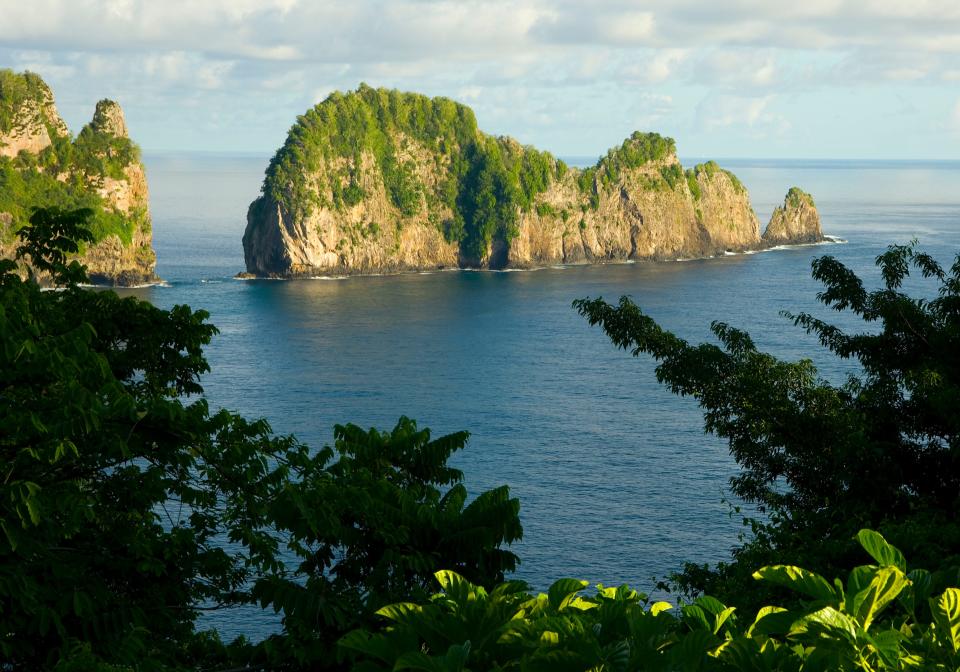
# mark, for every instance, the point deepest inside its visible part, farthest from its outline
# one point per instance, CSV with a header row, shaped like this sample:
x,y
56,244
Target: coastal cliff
x,y
41,165
377,181
795,222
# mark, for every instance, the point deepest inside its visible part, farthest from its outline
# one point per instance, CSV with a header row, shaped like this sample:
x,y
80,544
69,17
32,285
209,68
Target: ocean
x,y
616,478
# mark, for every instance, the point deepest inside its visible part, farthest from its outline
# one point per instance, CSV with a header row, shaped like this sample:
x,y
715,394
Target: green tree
x,y
120,487
822,460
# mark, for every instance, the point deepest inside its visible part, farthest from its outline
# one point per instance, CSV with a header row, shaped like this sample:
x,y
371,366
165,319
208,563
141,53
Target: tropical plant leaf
x,y
885,585
799,580
881,551
563,591
946,615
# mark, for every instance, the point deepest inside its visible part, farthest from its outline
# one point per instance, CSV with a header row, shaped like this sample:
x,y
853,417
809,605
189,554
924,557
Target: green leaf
x,y
828,619
563,591
886,584
453,661
658,607
375,646
881,551
799,580
399,612
710,604
773,621
919,590
696,618
946,615
887,644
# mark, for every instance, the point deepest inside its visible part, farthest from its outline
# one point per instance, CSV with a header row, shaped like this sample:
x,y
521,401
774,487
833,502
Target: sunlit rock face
x,y
100,169
375,181
795,222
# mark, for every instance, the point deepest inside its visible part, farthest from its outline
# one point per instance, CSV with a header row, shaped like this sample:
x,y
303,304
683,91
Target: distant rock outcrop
x,y
41,165
795,222
380,181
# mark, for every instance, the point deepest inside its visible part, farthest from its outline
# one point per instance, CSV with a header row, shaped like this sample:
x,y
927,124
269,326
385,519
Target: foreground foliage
x,y
117,495
881,618
822,460
128,506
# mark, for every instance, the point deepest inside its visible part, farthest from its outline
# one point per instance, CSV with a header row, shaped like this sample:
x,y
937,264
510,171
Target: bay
x,y
616,478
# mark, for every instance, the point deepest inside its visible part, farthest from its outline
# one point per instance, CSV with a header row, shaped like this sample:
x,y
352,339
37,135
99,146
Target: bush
x,y
819,459
879,619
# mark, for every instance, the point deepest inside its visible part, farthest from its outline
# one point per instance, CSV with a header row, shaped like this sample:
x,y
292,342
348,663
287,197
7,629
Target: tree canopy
x,y
122,488
822,460
128,506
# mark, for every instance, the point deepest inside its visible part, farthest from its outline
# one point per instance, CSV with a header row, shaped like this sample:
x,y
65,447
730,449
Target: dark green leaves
x,y
824,460
50,237
798,579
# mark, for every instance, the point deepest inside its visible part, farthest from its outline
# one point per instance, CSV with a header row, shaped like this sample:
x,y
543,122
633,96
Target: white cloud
x,y
663,64
273,58
650,109
724,111
739,68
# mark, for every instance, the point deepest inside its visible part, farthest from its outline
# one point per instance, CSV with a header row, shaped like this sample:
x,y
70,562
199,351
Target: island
x,y
43,165
381,181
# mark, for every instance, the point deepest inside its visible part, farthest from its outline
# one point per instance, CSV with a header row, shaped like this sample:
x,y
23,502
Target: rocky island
x,y
42,165
378,180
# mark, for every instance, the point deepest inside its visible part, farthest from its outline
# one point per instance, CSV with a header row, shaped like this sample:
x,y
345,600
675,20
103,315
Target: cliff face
x,y
31,120
41,165
382,181
796,221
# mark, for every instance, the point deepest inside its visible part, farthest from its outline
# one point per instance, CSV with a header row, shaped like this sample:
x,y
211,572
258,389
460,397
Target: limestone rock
x,y
376,181
32,121
108,119
102,170
796,222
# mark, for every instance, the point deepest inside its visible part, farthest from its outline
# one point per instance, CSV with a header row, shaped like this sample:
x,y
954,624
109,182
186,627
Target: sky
x,y
871,79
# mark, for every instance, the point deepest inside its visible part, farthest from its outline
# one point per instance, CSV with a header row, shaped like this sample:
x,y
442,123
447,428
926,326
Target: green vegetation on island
x,y
66,173
797,197
128,507
637,150
28,182
483,182
19,91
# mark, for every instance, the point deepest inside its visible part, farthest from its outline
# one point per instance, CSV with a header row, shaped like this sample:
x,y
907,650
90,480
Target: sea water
x,y
617,480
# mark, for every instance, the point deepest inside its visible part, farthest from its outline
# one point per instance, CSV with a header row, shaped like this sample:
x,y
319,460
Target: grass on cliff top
x,y
16,90
797,196
31,180
712,168
637,150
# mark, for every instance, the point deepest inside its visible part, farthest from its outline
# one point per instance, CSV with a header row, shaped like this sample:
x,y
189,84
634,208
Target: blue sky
x,y
744,78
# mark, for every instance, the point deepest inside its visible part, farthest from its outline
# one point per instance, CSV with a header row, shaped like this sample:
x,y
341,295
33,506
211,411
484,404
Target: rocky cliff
x,y
42,165
378,181
795,222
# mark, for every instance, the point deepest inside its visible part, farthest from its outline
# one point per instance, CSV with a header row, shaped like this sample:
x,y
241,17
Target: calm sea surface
x,y
616,479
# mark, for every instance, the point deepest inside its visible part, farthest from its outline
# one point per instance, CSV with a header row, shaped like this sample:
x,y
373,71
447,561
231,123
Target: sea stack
x,y
795,222
100,169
